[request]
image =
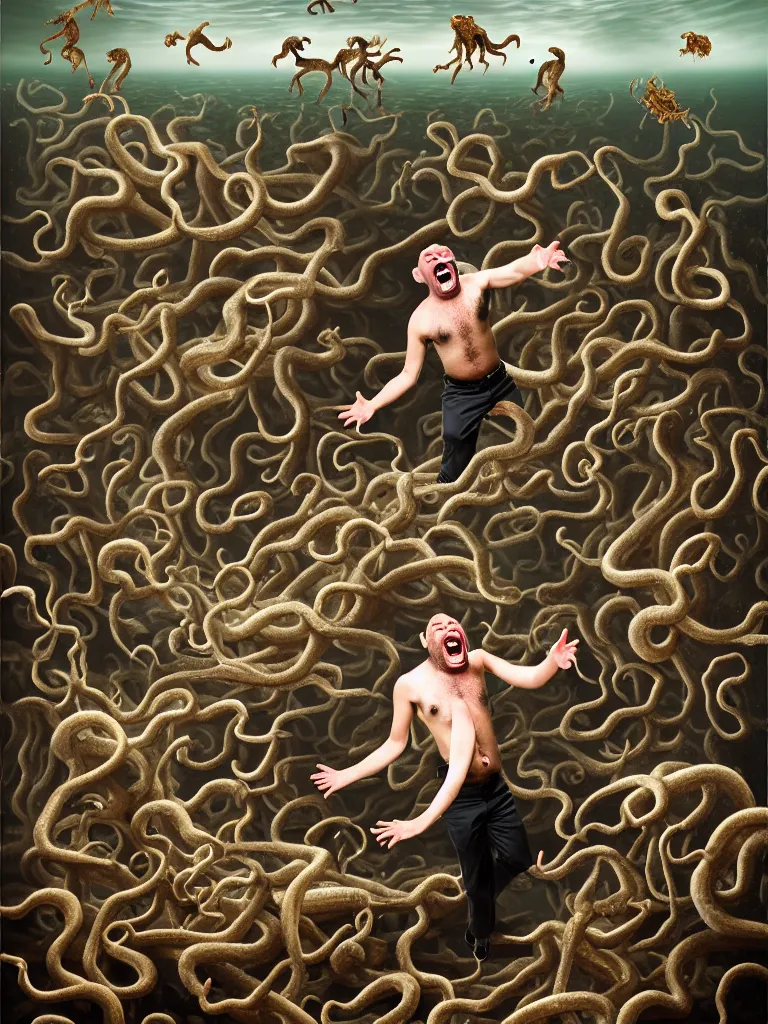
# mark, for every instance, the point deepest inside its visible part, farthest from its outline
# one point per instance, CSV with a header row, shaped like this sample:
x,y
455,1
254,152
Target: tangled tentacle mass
x,y
210,587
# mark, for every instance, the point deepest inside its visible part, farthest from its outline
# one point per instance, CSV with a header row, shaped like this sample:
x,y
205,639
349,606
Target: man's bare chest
x,y
437,698
462,322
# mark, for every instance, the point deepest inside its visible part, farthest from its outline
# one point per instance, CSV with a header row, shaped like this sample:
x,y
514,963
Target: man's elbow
x,y
505,280
395,747
457,773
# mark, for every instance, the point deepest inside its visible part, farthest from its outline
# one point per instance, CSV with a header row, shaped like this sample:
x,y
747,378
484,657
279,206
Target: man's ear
x,y
423,640
417,276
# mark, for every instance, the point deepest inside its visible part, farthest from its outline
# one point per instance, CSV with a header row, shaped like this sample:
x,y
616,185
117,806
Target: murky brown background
x,y
213,587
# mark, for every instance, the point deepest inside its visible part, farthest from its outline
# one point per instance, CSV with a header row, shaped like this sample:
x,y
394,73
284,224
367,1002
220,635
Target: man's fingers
x,y
563,637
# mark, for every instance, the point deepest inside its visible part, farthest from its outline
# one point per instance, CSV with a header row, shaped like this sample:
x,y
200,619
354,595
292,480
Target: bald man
x,y
454,317
448,694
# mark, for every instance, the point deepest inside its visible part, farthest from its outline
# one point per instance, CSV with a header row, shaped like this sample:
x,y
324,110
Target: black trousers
x,y
465,405
491,844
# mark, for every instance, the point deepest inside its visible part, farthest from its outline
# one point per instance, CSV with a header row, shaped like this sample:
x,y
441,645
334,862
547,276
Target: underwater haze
x,y
598,35
211,586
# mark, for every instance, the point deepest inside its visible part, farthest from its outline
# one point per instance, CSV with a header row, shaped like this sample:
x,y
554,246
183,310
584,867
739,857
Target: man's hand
x,y
396,830
328,780
358,413
564,653
552,256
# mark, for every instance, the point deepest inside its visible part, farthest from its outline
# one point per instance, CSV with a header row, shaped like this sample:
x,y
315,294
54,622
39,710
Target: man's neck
x,y
451,679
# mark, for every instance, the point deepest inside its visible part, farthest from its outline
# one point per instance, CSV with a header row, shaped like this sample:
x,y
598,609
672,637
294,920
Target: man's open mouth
x,y
445,275
453,646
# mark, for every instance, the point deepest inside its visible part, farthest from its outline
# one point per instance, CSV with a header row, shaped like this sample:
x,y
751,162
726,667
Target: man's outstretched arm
x,y
364,408
329,780
459,759
513,273
530,677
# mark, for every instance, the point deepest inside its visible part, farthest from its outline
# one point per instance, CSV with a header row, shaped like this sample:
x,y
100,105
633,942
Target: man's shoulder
x,y
475,281
475,658
421,311
408,680
405,682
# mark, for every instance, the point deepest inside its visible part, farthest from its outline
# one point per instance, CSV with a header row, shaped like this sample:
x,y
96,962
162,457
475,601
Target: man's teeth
x,y
444,278
453,646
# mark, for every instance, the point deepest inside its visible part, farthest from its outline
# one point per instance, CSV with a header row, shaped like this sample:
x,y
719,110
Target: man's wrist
x,y
551,662
532,264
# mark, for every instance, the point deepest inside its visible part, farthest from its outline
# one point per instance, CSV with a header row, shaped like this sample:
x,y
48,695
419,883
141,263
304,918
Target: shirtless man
x,y
454,317
449,695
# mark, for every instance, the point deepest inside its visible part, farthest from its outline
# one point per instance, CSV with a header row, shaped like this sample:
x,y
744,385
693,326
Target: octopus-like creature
x,y
197,38
699,46
324,6
70,50
468,37
364,64
121,60
358,53
660,103
549,76
295,45
122,63
97,6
